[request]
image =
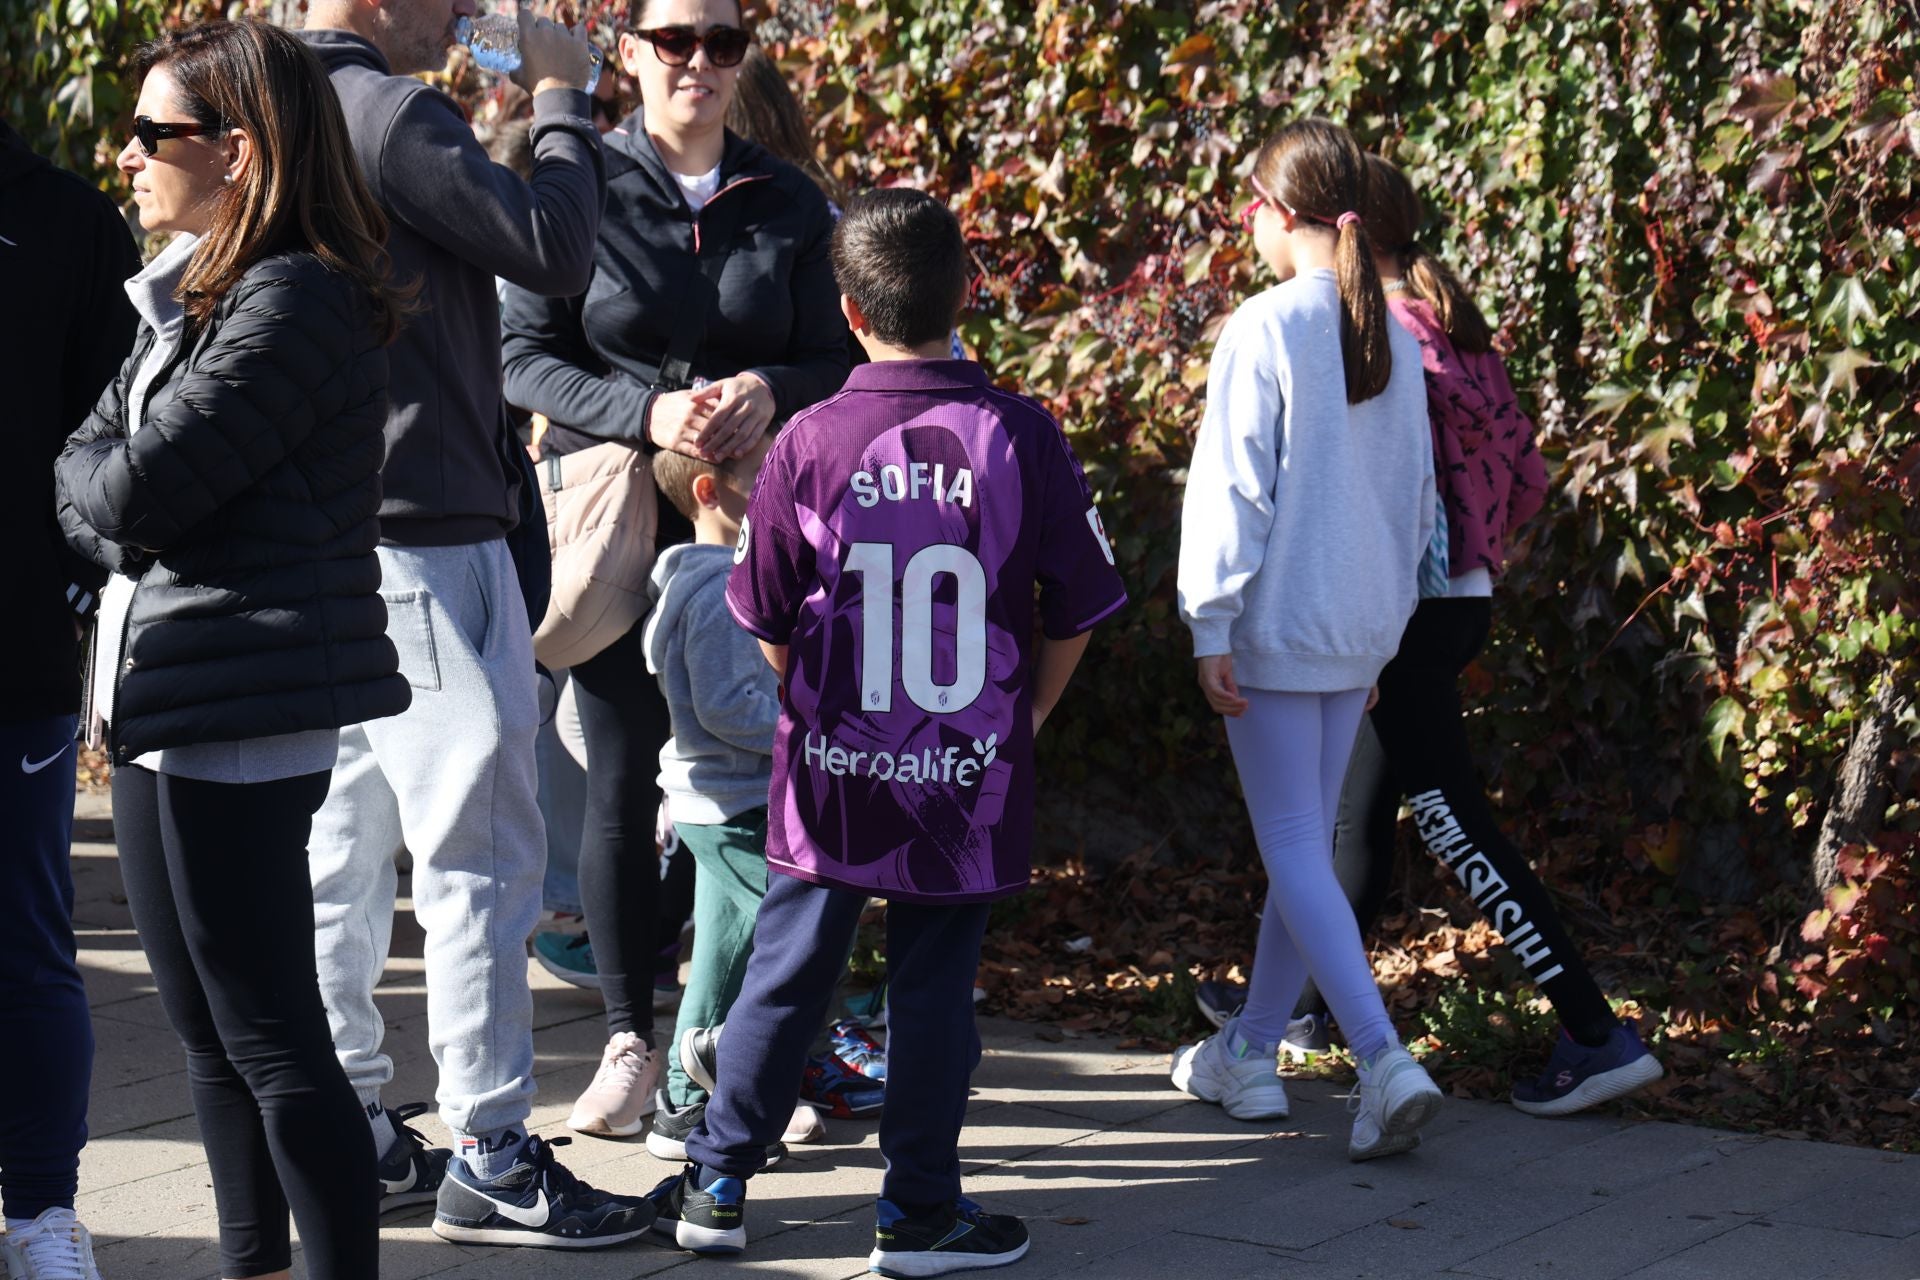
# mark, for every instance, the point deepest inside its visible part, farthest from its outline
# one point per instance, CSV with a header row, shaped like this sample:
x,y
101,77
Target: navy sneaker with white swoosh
x,y
957,1237
535,1203
411,1172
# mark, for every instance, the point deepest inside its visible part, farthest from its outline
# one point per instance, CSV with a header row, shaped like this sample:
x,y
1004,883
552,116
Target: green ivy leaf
x,y
1726,718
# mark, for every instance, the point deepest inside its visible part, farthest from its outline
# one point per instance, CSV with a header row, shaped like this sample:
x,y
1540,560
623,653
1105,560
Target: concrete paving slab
x,y
1883,1200
1765,1248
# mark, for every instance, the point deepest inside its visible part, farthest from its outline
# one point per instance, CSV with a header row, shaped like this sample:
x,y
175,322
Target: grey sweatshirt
x,y
459,220
724,698
1305,517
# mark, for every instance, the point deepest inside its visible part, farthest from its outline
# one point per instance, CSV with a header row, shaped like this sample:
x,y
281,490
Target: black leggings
x,y
216,877
1414,745
623,716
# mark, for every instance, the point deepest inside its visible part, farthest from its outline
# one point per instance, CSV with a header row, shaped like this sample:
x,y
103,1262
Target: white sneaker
x,y
1244,1084
53,1247
805,1126
621,1097
1394,1099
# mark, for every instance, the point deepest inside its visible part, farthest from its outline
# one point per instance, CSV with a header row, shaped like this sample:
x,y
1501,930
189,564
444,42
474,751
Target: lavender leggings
x,y
1291,751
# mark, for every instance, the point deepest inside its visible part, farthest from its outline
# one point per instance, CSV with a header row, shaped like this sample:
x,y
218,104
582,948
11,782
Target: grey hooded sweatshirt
x,y
724,698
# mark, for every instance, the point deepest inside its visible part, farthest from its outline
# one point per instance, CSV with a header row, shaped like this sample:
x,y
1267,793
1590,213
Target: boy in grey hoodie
x,y
716,769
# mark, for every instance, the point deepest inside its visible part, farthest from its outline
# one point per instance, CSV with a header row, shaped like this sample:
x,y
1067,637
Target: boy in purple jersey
x,y
888,565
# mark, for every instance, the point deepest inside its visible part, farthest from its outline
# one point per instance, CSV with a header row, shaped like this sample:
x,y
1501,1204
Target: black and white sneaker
x,y
957,1237
671,1125
535,1203
699,1050
709,1221
411,1172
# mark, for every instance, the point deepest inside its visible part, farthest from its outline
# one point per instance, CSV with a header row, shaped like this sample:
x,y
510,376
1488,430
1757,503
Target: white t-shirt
x,y
699,188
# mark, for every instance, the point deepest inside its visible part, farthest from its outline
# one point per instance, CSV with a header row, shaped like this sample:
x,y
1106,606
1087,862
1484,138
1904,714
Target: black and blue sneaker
x,y
957,1237
1578,1077
710,1220
535,1203
411,1172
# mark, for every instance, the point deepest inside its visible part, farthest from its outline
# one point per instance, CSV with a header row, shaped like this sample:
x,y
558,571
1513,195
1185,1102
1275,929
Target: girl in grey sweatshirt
x,y
1309,503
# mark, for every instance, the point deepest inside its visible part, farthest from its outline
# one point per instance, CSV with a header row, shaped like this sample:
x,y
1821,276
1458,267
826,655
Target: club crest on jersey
x,y
912,482
1099,532
740,545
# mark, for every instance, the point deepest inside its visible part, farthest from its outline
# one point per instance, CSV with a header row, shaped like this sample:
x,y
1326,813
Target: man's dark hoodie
x,y
65,329
459,220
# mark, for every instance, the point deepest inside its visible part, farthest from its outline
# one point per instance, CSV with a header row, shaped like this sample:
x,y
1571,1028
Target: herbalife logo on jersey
x,y
948,766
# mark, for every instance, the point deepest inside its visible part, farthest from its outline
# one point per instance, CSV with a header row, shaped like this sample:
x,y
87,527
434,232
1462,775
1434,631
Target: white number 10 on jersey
x,y
873,561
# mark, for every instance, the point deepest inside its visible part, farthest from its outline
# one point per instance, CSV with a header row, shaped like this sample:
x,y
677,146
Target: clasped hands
x,y
721,420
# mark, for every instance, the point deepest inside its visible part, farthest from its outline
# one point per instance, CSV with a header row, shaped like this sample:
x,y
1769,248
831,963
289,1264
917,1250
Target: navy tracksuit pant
x,y
800,942
48,1065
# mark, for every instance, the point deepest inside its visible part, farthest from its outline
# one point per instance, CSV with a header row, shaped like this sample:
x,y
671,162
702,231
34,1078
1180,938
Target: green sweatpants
x,y
730,879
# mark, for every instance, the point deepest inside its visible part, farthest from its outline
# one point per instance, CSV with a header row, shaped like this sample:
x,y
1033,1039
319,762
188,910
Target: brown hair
x,y
1318,171
900,255
676,472
302,189
765,111
1394,216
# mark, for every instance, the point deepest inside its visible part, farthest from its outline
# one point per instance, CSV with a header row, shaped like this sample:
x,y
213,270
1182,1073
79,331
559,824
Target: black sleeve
x,y
268,375
98,341
551,370
538,234
816,361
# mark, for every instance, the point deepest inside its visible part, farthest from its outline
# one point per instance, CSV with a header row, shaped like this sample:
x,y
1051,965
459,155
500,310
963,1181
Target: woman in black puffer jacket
x,y
230,480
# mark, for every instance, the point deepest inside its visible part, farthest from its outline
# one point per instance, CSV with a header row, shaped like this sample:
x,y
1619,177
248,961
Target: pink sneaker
x,y
621,1097
805,1126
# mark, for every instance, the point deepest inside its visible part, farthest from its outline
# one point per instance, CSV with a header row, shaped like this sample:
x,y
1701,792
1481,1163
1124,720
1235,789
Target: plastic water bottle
x,y
494,39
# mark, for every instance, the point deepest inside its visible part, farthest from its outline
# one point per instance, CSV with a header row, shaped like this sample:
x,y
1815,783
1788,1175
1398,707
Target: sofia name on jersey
x,y
913,481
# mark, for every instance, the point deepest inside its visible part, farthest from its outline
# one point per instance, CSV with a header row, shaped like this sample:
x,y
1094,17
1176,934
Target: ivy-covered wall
x,y
1694,223
1693,220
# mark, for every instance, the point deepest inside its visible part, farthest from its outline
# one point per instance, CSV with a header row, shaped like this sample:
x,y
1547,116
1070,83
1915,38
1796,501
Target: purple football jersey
x,y
893,543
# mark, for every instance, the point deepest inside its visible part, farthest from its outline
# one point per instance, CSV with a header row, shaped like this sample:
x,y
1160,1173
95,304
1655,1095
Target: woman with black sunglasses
x,y
229,479
712,315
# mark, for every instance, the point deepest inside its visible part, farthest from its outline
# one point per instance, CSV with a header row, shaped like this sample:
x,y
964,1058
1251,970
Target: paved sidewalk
x,y
1119,1177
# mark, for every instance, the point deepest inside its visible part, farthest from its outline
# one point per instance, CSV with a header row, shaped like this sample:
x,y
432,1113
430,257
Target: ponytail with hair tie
x,y
1315,168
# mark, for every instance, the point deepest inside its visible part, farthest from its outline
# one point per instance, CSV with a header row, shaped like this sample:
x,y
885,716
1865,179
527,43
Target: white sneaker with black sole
x,y
537,1204
1394,1098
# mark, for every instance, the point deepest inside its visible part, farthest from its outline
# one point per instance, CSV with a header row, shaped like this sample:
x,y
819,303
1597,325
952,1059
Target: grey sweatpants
x,y
453,780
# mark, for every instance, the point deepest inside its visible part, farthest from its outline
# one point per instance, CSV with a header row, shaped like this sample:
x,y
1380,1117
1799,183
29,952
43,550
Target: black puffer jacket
x,y
247,506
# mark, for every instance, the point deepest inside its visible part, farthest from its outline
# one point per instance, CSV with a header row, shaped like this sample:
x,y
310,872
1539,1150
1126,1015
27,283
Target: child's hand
x,y
677,422
1373,697
1216,681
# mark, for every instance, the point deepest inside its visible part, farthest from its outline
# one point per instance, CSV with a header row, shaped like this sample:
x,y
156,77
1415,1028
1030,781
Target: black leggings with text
x,y
1414,747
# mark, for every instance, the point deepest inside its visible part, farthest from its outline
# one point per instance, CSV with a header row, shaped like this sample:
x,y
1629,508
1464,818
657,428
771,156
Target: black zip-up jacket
x,y
65,326
591,362
247,507
459,220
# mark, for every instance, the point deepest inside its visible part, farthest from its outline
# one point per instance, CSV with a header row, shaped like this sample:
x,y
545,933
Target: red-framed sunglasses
x,y
675,45
1260,198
